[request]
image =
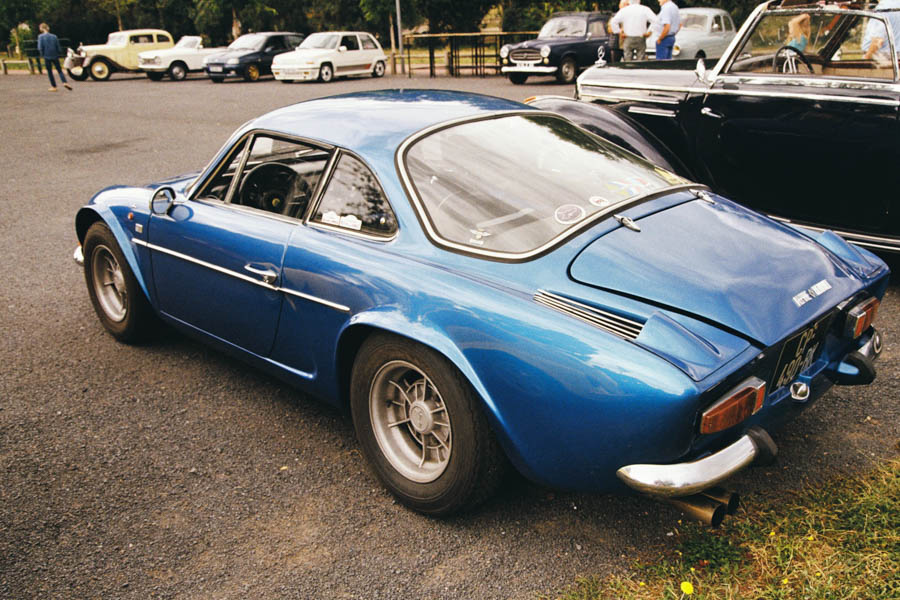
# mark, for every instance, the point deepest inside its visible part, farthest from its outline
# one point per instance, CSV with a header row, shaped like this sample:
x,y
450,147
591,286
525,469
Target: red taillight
x,y
735,406
860,317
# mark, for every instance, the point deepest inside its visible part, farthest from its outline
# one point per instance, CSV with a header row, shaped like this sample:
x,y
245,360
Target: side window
x,y
717,24
163,39
217,187
729,25
293,41
145,38
280,176
354,200
597,29
350,42
864,52
368,43
275,43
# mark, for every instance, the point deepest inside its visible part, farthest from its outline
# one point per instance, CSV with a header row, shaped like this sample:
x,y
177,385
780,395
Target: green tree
x,y
459,16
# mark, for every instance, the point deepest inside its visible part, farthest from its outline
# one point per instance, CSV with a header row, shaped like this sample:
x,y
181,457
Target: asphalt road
x,y
168,470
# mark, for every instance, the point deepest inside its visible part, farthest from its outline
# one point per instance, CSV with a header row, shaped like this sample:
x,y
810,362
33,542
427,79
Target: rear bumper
x,y
684,479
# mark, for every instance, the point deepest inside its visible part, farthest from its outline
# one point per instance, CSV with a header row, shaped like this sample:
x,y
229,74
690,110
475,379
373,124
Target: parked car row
x,y
287,55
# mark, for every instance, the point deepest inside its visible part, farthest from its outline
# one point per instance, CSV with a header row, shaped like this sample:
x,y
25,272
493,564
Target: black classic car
x,y
798,119
568,42
250,56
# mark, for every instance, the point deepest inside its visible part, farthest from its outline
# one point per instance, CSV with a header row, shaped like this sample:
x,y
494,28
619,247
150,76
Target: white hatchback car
x,y
187,55
331,54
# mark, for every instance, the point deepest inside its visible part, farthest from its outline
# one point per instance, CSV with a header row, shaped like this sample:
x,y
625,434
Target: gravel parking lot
x,y
171,471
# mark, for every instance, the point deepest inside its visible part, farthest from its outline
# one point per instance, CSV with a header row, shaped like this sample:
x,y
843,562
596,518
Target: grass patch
x,y
841,540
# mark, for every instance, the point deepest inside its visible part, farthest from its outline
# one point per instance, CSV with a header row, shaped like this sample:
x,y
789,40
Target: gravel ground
x,y
171,471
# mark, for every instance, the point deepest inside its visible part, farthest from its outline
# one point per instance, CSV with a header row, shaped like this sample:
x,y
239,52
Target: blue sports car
x,y
483,283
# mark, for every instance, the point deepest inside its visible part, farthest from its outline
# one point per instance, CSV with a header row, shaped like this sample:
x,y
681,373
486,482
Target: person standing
x,y
670,20
634,21
50,51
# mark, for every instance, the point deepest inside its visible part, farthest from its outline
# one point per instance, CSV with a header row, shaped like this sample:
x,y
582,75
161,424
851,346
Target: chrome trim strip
x,y
652,87
797,96
656,112
869,241
808,81
433,235
684,479
526,69
242,277
607,321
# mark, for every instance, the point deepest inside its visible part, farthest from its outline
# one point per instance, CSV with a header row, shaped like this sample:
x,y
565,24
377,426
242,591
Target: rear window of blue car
x,y
514,185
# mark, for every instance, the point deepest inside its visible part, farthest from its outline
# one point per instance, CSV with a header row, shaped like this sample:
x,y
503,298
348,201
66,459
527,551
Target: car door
x,y
137,43
274,46
217,257
340,247
814,147
596,37
350,56
370,51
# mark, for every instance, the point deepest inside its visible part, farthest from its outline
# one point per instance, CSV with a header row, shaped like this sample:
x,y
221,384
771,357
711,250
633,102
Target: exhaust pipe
x,y
730,499
700,508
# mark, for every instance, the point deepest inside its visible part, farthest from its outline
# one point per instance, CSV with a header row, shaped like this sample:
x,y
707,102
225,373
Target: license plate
x,y
800,352
215,69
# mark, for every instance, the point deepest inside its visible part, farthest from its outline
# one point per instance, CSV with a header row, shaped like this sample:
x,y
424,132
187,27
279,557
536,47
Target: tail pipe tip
x,y
766,448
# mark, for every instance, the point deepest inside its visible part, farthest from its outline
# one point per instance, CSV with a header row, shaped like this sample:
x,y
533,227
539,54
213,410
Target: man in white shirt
x,y
634,21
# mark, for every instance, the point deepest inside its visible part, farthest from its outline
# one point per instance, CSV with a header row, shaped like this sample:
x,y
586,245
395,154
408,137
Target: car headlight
x,y
504,51
232,61
676,50
150,60
545,51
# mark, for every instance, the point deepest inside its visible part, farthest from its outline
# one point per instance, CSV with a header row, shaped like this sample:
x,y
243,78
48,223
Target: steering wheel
x,y
790,55
267,186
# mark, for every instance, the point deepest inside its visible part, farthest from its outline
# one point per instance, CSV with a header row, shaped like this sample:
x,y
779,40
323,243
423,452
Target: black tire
x,y
100,69
178,71
518,78
101,251
473,462
378,69
326,73
155,76
700,54
78,73
252,72
217,79
568,70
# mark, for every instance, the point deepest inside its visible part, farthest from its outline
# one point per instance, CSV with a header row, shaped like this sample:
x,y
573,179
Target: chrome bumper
x,y
684,479
531,70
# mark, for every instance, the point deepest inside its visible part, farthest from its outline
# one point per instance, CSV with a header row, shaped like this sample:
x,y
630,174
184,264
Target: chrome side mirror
x,y
162,201
701,69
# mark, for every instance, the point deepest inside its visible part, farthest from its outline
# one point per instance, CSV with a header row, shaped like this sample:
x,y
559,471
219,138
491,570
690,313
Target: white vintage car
x,y
705,33
187,55
331,54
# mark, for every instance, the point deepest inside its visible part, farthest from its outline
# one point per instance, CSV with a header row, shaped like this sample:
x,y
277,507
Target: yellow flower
x,y
818,574
641,584
784,581
692,569
771,534
687,587
811,538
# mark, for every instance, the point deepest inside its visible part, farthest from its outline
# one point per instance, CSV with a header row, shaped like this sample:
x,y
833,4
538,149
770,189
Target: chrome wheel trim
x,y
410,421
99,69
109,283
327,73
379,69
177,72
568,70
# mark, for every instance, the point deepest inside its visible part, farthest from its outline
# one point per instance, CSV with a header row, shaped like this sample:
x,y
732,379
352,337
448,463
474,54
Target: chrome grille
x,y
525,55
606,321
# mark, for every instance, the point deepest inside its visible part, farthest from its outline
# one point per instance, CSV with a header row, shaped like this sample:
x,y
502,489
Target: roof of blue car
x,y
378,120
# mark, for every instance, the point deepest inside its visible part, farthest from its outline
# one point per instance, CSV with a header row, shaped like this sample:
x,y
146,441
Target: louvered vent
x,y
606,321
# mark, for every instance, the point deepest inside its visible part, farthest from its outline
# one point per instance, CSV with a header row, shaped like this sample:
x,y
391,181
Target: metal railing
x,y
458,54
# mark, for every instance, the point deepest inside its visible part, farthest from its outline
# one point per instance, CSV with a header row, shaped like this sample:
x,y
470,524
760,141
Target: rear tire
x,y
422,427
217,79
178,71
518,78
117,296
154,76
378,71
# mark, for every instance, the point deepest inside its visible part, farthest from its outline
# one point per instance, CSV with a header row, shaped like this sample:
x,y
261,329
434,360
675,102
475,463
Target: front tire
x,y
251,73
518,78
154,76
378,71
326,73
178,71
567,71
422,427
77,73
117,297
100,70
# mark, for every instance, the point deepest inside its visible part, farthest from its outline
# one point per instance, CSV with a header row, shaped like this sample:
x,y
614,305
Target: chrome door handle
x,y
708,112
268,276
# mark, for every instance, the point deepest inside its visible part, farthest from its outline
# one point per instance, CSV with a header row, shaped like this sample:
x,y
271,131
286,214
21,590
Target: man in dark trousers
x,y
48,47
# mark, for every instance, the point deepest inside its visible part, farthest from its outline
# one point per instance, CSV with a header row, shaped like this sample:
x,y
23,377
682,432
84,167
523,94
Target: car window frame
x,y
320,194
249,137
723,69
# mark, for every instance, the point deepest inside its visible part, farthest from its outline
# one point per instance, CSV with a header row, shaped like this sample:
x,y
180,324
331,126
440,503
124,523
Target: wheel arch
x,y
87,216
